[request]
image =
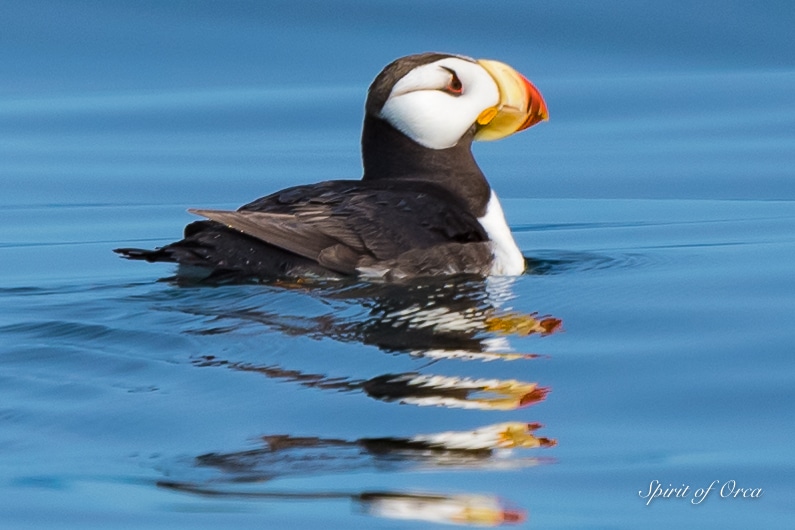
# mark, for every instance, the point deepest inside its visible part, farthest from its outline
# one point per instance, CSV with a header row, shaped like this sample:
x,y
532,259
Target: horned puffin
x,y
422,207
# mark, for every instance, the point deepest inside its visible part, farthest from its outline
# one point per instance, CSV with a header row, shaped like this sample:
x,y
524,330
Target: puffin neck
x,y
389,154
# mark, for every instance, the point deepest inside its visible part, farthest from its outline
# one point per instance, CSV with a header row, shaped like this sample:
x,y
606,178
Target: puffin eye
x,y
454,86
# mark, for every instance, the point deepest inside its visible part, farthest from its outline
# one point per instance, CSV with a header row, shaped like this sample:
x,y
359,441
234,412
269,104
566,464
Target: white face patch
x,y
421,108
508,259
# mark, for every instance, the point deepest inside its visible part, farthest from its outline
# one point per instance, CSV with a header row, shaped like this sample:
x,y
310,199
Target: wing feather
x,y
346,226
283,230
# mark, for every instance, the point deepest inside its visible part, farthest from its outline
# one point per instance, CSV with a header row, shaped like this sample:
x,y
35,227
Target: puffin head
x,y
437,99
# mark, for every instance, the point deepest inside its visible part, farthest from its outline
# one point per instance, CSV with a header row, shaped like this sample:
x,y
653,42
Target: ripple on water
x,y
549,262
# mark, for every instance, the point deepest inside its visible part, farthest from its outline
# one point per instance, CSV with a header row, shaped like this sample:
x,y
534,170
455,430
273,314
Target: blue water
x,y
651,340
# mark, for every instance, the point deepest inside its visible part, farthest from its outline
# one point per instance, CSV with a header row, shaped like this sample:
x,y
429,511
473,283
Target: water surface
x,y
650,340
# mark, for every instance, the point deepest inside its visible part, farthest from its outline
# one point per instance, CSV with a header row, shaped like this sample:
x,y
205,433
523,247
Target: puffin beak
x,y
520,106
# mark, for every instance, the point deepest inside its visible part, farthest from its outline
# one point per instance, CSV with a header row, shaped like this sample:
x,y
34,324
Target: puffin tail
x,y
151,256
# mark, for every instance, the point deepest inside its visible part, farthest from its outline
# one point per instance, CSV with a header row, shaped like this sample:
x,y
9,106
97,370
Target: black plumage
x,y
381,228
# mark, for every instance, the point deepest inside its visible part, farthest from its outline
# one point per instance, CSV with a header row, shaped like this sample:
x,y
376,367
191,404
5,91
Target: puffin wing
x,y
291,233
345,225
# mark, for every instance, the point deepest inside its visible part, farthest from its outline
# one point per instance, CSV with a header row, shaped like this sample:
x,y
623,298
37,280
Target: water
x,y
651,340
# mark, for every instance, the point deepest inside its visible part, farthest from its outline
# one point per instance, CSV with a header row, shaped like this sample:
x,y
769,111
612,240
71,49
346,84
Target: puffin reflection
x,y
457,509
411,388
238,474
473,510
486,448
452,318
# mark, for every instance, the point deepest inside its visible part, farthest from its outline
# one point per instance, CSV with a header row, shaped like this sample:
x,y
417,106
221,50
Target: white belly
x,y
508,259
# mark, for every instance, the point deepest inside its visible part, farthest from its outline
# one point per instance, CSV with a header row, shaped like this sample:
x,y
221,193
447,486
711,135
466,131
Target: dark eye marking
x,y
454,86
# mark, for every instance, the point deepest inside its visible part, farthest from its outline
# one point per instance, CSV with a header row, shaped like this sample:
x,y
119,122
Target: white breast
x,y
508,259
